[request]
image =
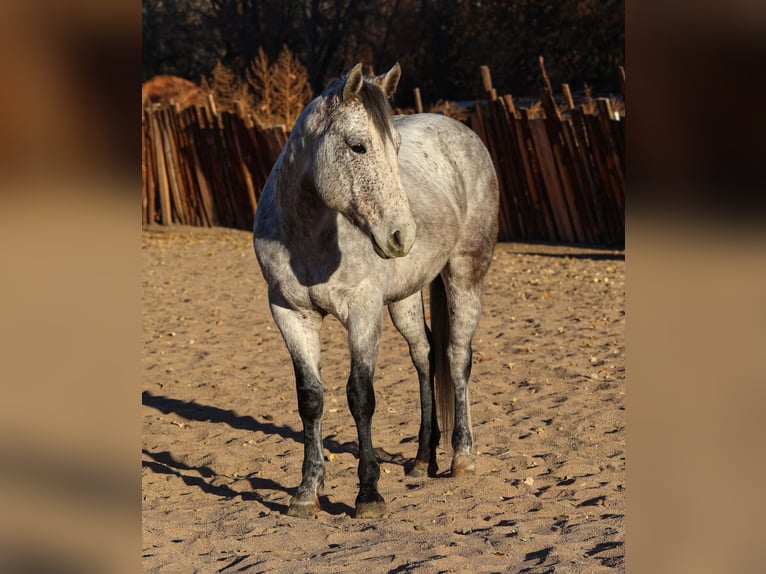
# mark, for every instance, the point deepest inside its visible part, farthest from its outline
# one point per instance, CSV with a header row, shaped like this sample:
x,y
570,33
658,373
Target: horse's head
x,y
355,169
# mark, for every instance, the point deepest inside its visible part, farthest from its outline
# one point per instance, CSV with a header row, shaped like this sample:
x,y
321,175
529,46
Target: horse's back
x,y
451,136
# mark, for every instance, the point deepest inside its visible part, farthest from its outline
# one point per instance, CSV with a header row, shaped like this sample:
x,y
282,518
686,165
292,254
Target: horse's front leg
x,y
364,336
300,330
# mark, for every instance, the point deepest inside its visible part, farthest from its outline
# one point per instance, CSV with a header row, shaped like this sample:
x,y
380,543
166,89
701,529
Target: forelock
x,y
378,108
373,100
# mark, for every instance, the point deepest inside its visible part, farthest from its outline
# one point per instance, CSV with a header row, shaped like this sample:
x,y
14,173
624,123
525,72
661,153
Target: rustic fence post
x,y
622,83
486,80
166,216
546,80
418,101
568,96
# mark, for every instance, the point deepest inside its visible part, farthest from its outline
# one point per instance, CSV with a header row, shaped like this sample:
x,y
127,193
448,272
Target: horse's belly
x,y
416,270
439,225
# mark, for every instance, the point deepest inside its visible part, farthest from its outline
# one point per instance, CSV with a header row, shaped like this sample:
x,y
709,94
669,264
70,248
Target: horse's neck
x,y
301,211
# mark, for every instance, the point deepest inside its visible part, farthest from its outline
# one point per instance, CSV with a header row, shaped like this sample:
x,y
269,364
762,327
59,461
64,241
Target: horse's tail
x,y
440,331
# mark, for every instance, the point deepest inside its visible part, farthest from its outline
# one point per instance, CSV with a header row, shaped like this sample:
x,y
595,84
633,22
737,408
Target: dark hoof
x,y
463,465
420,469
372,506
370,509
303,508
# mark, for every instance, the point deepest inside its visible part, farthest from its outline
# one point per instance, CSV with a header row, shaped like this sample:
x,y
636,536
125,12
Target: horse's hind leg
x,y
300,331
464,281
408,318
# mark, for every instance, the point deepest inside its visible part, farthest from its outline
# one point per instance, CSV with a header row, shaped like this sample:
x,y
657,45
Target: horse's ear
x,y
353,83
389,80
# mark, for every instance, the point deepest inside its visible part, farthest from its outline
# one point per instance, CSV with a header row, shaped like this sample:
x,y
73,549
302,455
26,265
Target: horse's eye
x,y
358,148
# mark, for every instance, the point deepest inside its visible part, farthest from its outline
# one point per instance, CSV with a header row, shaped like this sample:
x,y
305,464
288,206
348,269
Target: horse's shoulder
x,y
274,259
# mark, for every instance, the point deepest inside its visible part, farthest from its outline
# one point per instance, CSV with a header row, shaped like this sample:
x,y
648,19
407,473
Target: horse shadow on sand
x,y
204,478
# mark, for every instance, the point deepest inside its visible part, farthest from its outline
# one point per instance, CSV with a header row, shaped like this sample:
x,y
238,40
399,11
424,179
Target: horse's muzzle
x,y
397,242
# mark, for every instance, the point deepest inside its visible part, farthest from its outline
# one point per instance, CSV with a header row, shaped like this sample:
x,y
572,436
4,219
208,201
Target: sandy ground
x,y
222,445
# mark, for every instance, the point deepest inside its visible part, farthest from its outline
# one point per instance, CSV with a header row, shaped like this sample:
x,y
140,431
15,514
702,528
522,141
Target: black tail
x,y
440,330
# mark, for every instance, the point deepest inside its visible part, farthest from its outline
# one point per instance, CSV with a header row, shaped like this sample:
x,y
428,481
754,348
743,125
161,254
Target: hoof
x,y
463,465
420,469
372,506
303,508
370,509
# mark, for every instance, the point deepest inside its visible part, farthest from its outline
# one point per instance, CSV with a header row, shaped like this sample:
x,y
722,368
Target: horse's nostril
x,y
396,240
399,241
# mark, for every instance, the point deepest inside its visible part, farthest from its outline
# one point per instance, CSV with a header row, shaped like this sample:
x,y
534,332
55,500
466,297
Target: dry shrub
x,y
536,110
588,106
261,80
228,89
450,109
617,105
171,90
282,89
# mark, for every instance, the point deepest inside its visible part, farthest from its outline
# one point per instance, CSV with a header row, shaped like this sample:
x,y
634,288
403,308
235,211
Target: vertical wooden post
x,y
150,172
568,96
198,157
418,101
162,172
508,99
545,74
622,81
242,164
486,81
211,103
604,108
240,109
171,166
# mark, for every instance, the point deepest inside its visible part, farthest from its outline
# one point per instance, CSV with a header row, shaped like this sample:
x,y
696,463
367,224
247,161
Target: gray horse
x,y
362,210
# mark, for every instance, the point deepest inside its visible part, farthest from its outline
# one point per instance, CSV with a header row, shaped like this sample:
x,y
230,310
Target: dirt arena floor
x,y
222,445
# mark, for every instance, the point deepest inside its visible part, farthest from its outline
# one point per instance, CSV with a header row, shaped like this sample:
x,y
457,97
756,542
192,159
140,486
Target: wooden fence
x,y
561,176
203,167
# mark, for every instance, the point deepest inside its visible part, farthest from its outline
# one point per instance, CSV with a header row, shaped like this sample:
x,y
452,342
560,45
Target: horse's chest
x,y
331,300
314,289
